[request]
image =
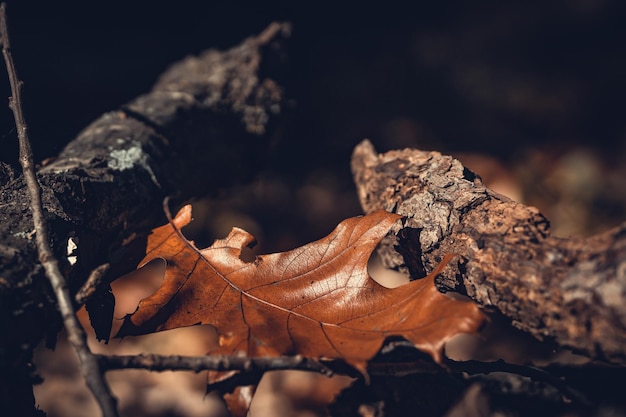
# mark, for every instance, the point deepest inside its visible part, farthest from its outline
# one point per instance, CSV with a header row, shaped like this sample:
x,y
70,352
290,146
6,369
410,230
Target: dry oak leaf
x,y
317,300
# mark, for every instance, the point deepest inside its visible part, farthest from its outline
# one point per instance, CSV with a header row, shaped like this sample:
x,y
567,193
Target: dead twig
x,y
161,363
92,284
473,367
89,363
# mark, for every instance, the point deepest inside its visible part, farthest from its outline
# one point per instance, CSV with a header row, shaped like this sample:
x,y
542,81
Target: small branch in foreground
x,y
89,363
473,367
161,363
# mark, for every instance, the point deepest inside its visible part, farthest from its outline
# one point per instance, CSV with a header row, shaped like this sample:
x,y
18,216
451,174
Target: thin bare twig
x,y
92,284
90,366
473,367
160,363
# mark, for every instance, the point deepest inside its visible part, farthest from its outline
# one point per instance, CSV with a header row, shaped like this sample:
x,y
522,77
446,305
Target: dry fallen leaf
x,y
317,300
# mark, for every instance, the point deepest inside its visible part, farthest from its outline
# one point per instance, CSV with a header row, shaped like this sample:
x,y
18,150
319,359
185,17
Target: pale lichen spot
x,y
122,159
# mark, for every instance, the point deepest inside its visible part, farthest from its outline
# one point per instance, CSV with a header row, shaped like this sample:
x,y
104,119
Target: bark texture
x,y
571,290
202,127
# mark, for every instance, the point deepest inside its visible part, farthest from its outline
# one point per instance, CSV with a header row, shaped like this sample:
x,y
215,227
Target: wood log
x,y
568,290
201,128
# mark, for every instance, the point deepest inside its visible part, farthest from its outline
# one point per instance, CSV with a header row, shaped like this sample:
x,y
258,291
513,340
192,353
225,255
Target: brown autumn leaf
x,y
317,300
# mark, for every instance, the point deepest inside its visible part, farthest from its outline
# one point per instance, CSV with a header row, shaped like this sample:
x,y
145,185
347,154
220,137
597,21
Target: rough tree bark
x,y
571,290
201,128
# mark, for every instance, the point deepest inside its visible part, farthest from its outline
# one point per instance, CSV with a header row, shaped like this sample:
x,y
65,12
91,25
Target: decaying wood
x,y
201,128
571,290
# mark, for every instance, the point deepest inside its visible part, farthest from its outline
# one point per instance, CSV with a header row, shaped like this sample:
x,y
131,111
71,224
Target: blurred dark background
x,y
532,92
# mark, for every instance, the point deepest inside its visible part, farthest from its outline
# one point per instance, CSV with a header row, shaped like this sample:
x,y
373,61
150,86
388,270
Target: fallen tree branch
x,y
89,364
570,290
202,128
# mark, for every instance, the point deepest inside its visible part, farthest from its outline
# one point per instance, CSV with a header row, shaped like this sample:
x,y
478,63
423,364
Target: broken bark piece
x,y
571,290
